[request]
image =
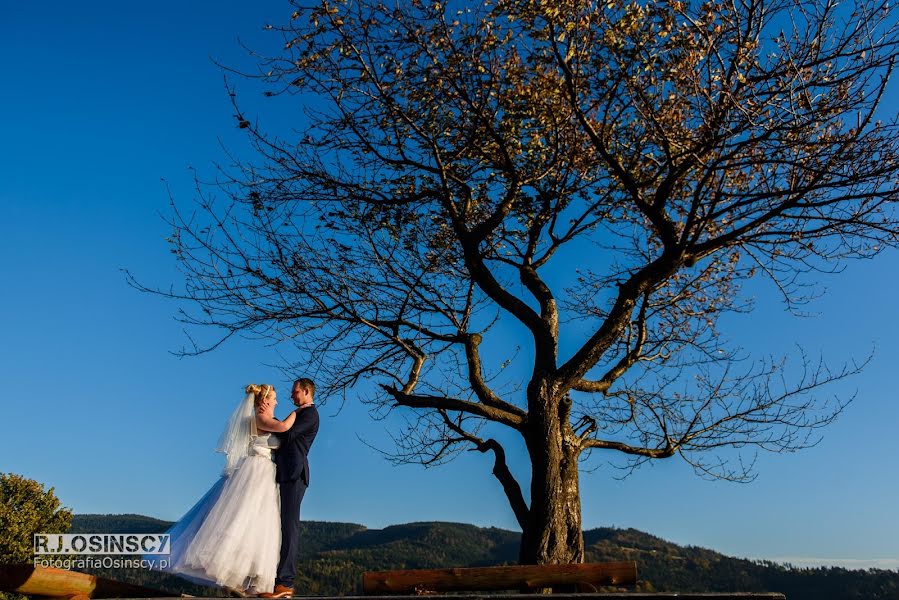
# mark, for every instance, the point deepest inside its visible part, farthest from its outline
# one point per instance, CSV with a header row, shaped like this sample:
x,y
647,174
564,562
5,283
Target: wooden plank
x,y
512,577
61,583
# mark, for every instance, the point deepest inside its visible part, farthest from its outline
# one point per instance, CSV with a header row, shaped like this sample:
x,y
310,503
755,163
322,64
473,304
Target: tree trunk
x,y
553,534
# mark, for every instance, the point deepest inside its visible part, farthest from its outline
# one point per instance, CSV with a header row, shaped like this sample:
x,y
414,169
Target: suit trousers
x,y
292,493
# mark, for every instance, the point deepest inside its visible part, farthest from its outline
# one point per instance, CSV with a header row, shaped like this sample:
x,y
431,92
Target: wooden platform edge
x,y
585,596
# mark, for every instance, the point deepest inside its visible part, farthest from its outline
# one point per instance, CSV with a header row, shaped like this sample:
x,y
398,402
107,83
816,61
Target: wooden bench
x,y
585,577
61,583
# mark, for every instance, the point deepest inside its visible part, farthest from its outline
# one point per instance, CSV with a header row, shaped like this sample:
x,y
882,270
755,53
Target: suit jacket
x,y
291,458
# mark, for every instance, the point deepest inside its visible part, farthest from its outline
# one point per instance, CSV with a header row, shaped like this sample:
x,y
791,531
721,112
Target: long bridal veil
x,y
235,439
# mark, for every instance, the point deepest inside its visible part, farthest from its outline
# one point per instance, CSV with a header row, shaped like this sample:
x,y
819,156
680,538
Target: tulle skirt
x,y
232,536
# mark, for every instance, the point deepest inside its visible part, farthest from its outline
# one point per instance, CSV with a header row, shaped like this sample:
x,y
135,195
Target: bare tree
x,y
456,151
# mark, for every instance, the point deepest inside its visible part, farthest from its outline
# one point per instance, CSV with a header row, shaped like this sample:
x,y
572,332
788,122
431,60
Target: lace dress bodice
x,y
263,444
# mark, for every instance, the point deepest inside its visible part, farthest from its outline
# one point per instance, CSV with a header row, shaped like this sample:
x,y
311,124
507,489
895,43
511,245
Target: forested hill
x,y
334,555
117,524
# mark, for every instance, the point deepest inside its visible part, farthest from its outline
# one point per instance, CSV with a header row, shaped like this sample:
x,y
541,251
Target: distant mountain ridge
x,y
334,555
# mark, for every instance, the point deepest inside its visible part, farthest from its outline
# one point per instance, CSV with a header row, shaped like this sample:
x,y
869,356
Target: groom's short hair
x,y
307,384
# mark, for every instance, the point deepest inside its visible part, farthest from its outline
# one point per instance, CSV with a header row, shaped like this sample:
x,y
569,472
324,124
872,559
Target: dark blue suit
x,y
292,461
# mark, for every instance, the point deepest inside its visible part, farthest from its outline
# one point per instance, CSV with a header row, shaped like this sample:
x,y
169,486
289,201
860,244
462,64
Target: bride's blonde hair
x,y
259,391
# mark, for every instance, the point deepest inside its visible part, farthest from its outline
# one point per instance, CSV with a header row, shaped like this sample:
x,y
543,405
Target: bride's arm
x,y
265,423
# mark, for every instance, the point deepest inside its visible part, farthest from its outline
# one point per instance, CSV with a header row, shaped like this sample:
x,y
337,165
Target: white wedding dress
x,y
232,536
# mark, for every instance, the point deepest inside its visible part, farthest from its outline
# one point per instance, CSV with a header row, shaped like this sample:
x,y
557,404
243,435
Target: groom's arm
x,y
301,426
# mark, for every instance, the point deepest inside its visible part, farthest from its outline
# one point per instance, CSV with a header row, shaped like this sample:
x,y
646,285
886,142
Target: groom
x,y
293,476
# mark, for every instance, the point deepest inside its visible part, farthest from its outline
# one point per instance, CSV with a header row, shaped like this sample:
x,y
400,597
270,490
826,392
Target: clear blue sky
x,y
100,101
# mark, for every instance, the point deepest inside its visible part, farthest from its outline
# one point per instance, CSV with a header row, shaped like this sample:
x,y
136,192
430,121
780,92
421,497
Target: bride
x,y
231,538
